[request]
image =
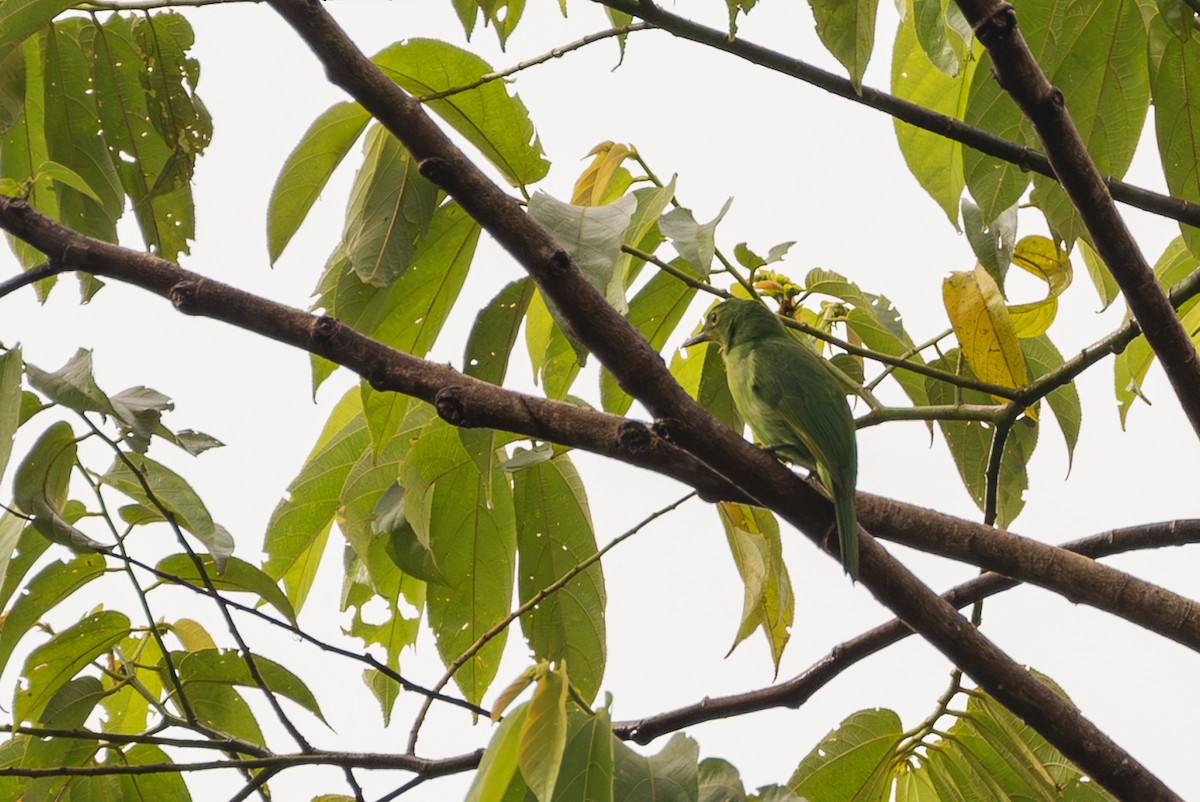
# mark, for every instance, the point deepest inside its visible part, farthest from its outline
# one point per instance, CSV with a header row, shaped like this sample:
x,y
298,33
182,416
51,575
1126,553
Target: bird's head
x,y
731,322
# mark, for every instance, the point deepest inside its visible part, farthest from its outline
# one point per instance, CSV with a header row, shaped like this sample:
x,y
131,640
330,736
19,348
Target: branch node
x,y
663,427
560,260
634,436
997,27
450,407
183,296
432,168
325,328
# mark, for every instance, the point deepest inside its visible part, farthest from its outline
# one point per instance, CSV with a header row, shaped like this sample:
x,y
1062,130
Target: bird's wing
x,y
805,400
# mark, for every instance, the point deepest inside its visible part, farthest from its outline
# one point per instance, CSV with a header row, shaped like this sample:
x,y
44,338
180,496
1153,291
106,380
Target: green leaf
x,y
127,708
847,29
54,663
473,543
878,337
488,117
404,547
555,534
231,668
72,385
46,470
669,776
219,706
65,175
655,311
11,369
586,774
139,411
297,532
970,445
694,242
1102,278
385,690
494,333
700,371
523,458
768,602
391,207
592,235
1107,98
22,18
30,545
720,782
238,575
171,491
853,761
308,168
1042,357
498,766
993,242
1175,87
166,785
71,704
995,185
74,135
940,40
643,232
52,585
544,734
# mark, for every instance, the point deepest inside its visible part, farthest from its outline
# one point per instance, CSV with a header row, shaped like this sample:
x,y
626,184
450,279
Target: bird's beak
x,y
702,336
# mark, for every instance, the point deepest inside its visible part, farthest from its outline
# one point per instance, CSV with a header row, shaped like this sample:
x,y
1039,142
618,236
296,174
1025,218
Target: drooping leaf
x,y
1102,278
555,534
847,29
21,18
72,385
603,180
544,734
586,774
592,235
52,585
57,661
238,575
495,332
719,782
993,242
1041,357
498,766
852,761
473,542
390,209
669,776
11,369
655,311
488,117
299,526
139,411
983,327
167,785
308,168
768,602
695,242
172,491
214,666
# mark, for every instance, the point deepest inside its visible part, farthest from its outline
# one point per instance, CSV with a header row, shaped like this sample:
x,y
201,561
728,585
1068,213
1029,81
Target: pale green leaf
x,y
852,761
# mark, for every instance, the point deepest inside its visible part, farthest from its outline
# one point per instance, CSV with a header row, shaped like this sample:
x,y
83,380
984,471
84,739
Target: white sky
x,y
801,165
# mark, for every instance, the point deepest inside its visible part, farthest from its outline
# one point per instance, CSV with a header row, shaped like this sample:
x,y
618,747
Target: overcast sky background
x,y
801,165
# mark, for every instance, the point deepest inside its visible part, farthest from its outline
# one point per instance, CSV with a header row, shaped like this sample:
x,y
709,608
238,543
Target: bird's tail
x,y
847,524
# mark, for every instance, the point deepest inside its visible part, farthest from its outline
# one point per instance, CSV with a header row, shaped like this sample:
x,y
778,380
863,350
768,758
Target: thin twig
x,y
557,52
531,603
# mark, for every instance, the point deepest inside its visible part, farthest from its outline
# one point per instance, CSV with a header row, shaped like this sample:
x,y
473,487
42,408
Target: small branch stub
x,y
325,329
433,168
634,436
998,26
183,296
449,406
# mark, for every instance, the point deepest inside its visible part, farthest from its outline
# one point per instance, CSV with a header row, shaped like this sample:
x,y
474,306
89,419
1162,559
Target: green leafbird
x,y
792,402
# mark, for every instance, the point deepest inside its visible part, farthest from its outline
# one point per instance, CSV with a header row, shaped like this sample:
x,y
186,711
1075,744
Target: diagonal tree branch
x,y
465,401
798,690
918,116
1016,70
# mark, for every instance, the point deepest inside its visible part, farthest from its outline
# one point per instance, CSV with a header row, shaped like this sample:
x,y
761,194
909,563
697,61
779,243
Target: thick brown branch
x,y
465,401
995,23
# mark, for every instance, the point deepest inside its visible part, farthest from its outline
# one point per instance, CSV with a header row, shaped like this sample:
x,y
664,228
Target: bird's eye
x,y
712,318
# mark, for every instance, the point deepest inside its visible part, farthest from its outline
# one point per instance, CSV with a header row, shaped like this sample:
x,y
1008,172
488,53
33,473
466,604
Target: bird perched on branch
x,y
793,403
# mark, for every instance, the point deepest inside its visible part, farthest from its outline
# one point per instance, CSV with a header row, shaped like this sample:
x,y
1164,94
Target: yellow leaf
x,y
1043,258
983,327
1032,320
592,188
